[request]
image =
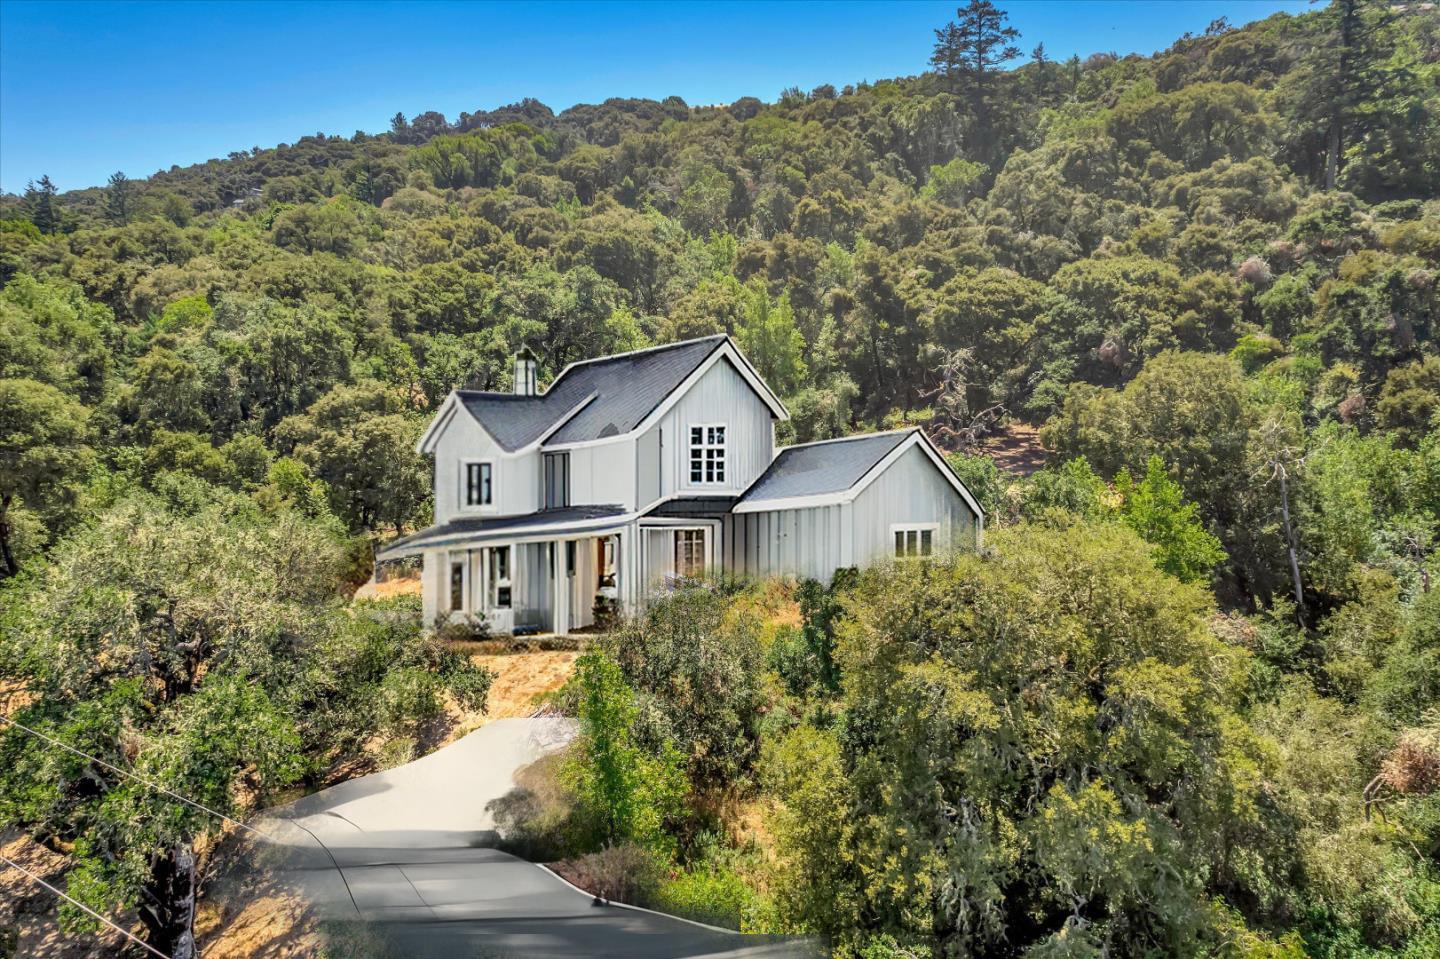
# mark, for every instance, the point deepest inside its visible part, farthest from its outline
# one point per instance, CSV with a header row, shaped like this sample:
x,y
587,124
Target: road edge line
x,y
626,905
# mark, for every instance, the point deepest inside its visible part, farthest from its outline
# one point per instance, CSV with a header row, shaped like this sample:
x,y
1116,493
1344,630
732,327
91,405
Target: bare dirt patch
x,y
28,913
274,926
523,673
1015,449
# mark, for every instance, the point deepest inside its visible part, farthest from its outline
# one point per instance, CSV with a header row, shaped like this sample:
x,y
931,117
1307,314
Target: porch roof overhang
x,y
693,507
542,525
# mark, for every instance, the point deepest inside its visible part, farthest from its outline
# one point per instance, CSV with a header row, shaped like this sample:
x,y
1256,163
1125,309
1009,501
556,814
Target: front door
x,y
496,594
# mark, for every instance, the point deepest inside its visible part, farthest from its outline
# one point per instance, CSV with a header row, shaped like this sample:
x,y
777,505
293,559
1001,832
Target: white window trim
x,y
491,507
935,544
690,449
709,549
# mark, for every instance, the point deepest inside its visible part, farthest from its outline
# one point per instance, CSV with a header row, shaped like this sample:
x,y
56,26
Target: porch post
x,y
560,606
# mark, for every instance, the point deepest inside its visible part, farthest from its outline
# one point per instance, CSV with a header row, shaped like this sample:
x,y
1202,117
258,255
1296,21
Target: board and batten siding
x,y
647,467
721,395
604,474
815,541
517,478
911,490
811,542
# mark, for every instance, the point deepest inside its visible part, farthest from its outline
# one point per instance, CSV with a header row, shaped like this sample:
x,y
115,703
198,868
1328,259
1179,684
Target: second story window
x,y
478,484
707,453
557,480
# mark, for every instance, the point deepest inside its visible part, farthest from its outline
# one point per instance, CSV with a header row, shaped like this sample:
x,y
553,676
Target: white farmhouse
x,y
634,470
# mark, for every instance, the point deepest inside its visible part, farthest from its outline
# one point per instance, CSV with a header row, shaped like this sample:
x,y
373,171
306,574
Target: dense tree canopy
x,y
1209,278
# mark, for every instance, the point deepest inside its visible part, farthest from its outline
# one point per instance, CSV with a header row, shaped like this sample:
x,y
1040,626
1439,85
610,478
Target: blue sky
x,y
87,89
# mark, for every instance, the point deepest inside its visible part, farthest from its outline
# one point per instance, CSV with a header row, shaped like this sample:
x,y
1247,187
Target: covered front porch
x,y
558,572
527,586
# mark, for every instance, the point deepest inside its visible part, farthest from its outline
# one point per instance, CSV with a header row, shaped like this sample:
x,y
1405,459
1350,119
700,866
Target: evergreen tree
x,y
119,195
1042,70
1331,96
971,48
400,129
40,202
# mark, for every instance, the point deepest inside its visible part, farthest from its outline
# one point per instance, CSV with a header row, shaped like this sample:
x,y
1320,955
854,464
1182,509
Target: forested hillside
x,y
1210,277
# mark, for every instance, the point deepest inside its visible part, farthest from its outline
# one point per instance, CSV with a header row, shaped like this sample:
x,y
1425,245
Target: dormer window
x,y
707,454
477,484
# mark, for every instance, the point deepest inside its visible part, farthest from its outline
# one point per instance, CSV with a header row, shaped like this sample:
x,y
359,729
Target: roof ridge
x,y
644,349
500,394
851,437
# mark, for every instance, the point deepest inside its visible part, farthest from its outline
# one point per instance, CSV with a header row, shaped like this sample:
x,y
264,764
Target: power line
x,y
128,775
81,906
190,802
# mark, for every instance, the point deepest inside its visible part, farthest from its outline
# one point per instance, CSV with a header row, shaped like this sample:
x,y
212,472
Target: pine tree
x,y
1042,70
1338,83
40,201
971,48
119,194
400,128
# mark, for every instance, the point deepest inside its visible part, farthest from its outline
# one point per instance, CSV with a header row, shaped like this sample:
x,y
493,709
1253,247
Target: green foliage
x,y
1410,401
711,894
44,455
1071,487
624,792
694,662
1095,748
985,481
953,182
805,659
360,441
768,336
1156,509
1223,255
200,642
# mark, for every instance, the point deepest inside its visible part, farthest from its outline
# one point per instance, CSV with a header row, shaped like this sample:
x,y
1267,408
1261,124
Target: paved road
x,y
407,855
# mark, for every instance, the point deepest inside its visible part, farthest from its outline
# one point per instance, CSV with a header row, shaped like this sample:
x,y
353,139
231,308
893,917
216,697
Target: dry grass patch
x,y
29,925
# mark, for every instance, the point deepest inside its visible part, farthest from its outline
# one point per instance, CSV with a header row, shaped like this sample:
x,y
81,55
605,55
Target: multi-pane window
x,y
479,484
914,541
557,480
690,552
707,454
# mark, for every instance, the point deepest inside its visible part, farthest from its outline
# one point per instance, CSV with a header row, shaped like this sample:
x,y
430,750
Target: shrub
x,y
624,793
695,660
710,893
627,872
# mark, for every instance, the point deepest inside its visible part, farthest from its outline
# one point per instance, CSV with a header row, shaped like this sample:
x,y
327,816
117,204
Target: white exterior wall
x,y
647,467
433,573
912,490
516,478
721,395
604,474
812,542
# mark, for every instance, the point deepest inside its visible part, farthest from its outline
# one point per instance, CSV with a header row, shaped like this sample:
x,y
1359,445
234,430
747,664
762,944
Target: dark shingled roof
x,y
476,528
617,393
831,466
695,507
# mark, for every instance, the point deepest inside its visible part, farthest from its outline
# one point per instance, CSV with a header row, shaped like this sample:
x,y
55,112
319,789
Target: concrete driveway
x,y
404,861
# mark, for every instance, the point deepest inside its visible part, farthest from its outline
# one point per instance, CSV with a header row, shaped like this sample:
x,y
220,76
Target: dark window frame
x,y
555,478
477,484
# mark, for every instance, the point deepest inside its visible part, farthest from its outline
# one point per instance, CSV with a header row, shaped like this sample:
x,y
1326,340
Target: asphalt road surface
x,y
404,861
